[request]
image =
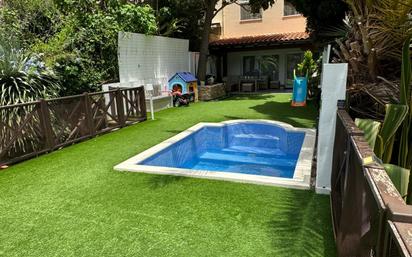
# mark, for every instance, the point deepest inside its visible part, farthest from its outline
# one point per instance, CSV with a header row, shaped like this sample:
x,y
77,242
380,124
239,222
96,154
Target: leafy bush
x,y
77,38
87,42
308,65
25,21
23,78
91,40
310,68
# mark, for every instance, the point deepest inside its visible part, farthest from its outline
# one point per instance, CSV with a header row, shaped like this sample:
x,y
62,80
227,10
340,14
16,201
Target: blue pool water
x,y
249,148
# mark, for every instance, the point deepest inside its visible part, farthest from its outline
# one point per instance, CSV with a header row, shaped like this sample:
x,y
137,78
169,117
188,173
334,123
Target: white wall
x,y
334,78
151,59
235,60
193,62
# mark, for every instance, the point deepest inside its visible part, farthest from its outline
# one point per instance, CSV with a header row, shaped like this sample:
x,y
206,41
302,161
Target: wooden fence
x,y
370,218
30,129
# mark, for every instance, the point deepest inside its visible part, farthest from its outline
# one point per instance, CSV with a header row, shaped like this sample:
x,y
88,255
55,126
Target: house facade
x,y
259,48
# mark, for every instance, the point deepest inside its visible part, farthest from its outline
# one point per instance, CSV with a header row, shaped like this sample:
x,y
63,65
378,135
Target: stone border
x,y
212,92
300,180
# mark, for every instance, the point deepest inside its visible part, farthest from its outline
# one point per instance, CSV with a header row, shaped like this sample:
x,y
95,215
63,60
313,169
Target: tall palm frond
x,y
372,47
377,32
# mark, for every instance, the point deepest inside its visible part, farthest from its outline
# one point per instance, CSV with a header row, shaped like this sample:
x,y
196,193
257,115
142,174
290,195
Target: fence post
x,y
142,102
45,123
120,107
89,114
341,104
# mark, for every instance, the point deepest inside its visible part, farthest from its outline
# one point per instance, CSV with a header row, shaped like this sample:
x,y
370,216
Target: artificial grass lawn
x,y
72,203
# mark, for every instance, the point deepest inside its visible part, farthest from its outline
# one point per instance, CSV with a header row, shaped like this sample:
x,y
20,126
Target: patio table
x,y
250,79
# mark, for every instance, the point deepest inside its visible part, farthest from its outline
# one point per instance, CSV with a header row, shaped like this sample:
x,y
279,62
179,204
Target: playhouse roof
x,y
185,76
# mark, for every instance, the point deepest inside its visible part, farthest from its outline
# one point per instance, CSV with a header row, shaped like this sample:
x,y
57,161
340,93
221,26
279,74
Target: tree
x,y
188,11
210,11
90,39
77,38
23,21
178,19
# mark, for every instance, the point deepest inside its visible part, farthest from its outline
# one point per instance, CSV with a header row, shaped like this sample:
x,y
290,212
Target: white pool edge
x,y
300,180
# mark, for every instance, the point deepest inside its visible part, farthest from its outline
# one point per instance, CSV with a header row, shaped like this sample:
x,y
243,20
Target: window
x,y
248,65
247,14
269,66
289,9
292,61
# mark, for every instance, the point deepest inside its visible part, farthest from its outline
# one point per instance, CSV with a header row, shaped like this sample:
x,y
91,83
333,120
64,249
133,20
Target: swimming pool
x,y
254,151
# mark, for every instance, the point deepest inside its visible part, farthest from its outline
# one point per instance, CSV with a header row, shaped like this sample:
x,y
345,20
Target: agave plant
x,y
405,143
23,77
385,141
405,147
397,122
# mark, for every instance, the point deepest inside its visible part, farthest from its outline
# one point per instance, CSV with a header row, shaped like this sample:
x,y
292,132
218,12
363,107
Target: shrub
x,y
310,68
77,38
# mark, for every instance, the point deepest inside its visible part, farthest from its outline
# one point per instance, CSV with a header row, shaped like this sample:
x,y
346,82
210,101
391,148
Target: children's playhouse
x,y
185,82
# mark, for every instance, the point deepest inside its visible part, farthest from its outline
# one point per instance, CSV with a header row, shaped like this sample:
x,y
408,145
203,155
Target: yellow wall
x,y
272,22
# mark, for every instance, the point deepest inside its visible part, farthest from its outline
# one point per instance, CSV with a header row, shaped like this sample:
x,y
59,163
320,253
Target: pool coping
x,y
300,180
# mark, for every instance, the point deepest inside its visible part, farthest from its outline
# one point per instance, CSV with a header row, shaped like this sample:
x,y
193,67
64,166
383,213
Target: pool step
x,y
267,141
250,169
250,159
259,151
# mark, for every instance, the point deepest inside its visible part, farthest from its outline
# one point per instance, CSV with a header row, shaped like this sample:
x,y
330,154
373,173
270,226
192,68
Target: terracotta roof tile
x,y
269,38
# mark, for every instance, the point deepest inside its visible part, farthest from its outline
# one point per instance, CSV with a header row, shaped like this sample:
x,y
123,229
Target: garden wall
x,y
212,92
151,59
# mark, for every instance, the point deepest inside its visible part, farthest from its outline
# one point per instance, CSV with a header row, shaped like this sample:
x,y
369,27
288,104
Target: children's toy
x,y
300,87
186,84
179,99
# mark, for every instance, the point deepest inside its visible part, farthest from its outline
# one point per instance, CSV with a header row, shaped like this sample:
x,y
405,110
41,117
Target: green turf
x,y
72,203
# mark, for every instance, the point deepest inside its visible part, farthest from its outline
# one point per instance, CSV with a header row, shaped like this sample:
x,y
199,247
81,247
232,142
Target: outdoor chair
x,y
262,83
274,84
247,87
247,83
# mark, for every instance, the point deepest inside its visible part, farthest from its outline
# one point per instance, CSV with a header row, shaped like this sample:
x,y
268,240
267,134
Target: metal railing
x,y
369,216
30,129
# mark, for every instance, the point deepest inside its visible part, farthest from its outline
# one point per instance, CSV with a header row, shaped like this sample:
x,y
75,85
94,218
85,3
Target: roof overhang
x,y
262,41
